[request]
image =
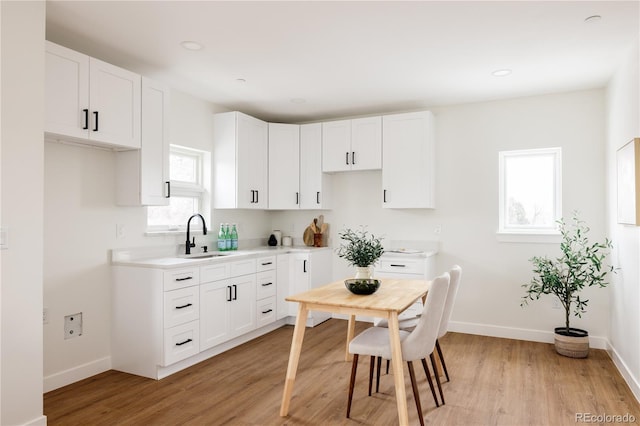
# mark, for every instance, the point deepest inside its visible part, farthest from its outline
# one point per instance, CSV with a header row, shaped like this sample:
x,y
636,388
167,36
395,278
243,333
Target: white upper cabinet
x,y
315,186
352,144
366,143
284,166
240,152
90,100
142,176
408,160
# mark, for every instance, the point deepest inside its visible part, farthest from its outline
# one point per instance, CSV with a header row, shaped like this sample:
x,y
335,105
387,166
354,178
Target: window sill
x,y
529,237
171,232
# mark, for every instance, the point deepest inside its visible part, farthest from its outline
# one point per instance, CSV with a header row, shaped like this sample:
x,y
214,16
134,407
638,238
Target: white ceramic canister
x,y
286,241
278,234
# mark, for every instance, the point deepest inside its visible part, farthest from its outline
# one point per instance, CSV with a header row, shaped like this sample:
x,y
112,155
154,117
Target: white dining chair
x,y
454,283
416,345
455,274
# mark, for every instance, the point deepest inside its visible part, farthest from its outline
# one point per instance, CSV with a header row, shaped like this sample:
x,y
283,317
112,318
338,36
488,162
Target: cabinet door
x,y
142,176
284,166
251,162
66,92
154,152
114,114
408,160
300,276
283,290
315,186
214,319
336,146
366,143
242,309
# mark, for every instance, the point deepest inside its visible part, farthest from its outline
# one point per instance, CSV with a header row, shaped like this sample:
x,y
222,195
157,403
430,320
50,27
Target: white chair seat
x,y
405,324
374,341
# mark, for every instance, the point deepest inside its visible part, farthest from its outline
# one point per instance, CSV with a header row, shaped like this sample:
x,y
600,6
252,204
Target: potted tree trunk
x,y
580,265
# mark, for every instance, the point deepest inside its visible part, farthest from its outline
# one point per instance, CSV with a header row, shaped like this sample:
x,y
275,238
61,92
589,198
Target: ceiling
x,y
305,61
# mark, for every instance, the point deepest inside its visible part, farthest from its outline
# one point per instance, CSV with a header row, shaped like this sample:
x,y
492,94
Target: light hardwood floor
x,y
493,382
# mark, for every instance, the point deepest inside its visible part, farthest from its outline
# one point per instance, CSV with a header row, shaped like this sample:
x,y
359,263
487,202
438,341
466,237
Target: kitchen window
x,y
530,198
189,173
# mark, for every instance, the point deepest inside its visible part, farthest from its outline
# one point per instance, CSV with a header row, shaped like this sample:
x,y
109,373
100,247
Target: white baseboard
x,y
38,421
633,383
596,342
72,375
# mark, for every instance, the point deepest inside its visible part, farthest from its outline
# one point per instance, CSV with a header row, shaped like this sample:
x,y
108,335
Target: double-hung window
x,y
189,174
530,198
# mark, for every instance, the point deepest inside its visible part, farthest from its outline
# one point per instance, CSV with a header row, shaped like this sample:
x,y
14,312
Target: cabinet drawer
x,y
266,263
242,267
181,342
181,306
179,278
266,313
402,266
215,272
266,284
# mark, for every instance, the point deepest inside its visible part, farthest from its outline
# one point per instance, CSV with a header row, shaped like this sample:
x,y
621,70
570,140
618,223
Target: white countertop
x,y
164,259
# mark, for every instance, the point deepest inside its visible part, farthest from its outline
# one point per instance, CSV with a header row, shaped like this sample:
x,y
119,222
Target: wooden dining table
x,y
393,297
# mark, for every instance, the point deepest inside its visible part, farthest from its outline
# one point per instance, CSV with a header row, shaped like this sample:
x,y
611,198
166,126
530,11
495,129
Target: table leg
x,y
294,357
351,331
398,373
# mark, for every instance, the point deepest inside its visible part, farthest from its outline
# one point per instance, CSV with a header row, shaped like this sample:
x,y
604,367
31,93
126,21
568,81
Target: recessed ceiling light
x,y
191,45
297,101
501,73
593,18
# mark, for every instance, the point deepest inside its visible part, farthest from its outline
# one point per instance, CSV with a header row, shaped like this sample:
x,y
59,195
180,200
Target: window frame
x,y
530,233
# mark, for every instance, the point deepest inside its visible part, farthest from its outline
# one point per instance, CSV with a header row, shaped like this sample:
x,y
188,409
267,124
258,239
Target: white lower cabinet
x,y
228,305
309,270
164,320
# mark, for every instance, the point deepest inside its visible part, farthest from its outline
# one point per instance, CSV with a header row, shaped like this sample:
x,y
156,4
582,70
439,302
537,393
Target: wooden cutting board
x,y
307,237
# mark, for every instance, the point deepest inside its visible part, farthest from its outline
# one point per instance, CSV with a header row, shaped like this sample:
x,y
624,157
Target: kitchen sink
x,y
202,255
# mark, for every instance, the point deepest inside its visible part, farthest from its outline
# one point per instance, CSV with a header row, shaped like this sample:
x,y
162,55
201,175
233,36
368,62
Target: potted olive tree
x,y
360,249
580,265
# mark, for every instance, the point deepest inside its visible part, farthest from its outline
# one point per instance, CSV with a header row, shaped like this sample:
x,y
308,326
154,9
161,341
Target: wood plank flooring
x,y
493,382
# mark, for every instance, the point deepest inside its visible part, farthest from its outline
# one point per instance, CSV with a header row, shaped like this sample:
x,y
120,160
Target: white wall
x,y
623,119
468,140
80,228
22,35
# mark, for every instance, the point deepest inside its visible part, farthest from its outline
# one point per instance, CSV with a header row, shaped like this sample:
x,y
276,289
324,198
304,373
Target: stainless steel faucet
x,y
189,244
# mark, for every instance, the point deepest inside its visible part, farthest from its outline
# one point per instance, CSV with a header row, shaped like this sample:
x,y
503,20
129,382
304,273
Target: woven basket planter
x,y
574,344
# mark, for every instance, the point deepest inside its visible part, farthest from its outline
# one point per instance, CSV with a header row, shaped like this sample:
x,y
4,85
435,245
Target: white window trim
x,y
529,234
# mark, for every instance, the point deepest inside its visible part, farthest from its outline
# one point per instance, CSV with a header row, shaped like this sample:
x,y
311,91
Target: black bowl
x,y
362,285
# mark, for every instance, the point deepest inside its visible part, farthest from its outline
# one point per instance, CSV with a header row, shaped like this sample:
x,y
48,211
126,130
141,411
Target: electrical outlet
x,y
437,230
73,326
119,231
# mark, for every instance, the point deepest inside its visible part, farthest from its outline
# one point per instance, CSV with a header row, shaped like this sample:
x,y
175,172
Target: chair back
x,y
454,283
422,340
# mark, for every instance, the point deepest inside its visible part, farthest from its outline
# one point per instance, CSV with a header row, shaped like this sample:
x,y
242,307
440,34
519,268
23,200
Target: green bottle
x,y
234,237
227,237
222,242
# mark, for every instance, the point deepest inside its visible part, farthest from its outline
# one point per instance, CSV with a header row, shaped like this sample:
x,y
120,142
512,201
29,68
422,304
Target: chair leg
x,y
437,374
416,394
444,366
354,367
387,366
372,363
378,374
428,374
